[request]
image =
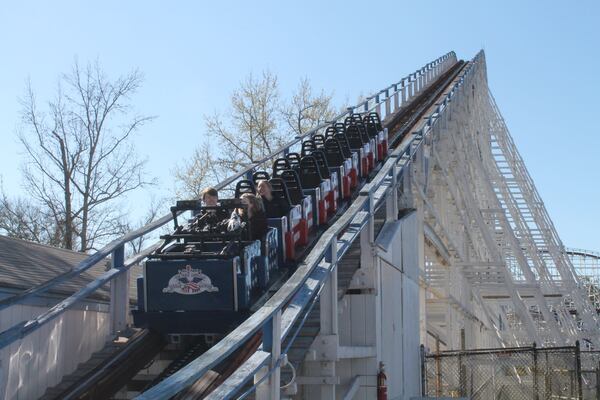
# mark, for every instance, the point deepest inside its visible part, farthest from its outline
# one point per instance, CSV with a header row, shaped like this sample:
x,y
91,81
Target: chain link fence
x,y
513,374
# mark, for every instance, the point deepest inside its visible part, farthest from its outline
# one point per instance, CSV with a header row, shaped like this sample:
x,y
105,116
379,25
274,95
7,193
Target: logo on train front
x,y
190,281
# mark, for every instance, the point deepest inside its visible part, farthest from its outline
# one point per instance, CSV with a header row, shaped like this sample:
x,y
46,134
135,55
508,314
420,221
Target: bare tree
x,y
306,111
79,157
154,211
258,123
21,219
196,173
251,131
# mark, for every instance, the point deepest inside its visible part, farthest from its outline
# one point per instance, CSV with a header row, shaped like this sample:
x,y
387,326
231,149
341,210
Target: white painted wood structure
x,y
40,360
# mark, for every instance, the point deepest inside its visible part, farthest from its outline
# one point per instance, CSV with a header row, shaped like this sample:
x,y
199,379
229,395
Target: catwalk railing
x,y
387,101
276,318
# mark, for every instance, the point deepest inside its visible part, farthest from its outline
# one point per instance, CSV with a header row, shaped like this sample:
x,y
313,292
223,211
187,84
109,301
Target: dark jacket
x,y
276,208
258,226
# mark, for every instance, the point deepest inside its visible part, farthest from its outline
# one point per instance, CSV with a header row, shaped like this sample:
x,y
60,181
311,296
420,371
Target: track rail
x,y
106,379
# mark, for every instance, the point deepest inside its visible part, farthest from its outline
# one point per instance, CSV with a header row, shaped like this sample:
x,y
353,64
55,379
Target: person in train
x,y
254,214
209,219
274,207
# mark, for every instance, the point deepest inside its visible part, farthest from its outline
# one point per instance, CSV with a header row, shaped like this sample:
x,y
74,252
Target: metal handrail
x,y
324,247
21,329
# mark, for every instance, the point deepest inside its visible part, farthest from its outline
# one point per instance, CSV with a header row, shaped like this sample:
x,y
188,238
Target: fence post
x,y
462,376
423,371
578,370
438,369
119,293
598,381
547,386
535,373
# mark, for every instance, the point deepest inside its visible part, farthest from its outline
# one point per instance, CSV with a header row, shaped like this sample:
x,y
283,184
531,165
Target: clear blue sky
x,y
542,61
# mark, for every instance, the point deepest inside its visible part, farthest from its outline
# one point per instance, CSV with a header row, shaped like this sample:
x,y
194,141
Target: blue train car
x,y
204,280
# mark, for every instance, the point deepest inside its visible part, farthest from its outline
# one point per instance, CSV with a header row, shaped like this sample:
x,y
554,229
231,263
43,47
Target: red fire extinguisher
x,y
381,383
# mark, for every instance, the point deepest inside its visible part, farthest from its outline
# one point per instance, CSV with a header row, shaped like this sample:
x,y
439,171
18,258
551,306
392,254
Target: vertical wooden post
x,y
329,322
269,389
387,102
329,300
391,201
119,293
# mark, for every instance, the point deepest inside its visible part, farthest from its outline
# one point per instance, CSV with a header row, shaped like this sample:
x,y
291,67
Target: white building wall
x,y
40,360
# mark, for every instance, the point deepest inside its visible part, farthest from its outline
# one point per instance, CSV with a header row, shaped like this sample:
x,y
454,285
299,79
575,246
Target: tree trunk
x,y
68,239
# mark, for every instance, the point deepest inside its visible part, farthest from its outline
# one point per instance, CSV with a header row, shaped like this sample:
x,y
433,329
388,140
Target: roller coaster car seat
x,y
260,176
330,132
331,175
312,180
357,144
319,140
375,131
298,197
338,132
280,191
340,127
362,128
336,160
244,186
309,173
375,117
357,120
294,160
279,165
308,146
371,126
351,157
333,153
296,232
321,159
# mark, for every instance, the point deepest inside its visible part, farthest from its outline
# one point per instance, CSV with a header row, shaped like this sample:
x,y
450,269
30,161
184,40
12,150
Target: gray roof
x,y
25,264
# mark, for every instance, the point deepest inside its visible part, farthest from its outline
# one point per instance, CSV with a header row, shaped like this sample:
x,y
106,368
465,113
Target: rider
x,y
209,218
274,207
